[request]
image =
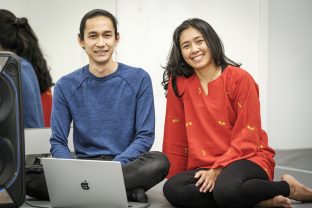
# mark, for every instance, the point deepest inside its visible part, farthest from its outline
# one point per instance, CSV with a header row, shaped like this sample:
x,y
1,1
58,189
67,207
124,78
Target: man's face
x,y
99,40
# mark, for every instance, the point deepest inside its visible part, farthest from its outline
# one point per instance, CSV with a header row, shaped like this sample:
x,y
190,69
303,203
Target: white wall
x,y
289,74
56,23
146,29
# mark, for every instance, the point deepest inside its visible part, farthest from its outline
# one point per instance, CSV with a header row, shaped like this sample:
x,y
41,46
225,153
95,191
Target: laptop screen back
x,y
85,183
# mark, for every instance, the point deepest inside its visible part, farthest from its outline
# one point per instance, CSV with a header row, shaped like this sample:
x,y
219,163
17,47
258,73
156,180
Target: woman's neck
x,y
209,74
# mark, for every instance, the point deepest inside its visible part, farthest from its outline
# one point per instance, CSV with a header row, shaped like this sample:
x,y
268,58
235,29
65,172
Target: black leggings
x,y
242,184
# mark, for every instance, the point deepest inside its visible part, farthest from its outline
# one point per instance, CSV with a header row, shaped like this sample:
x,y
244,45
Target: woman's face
x,y
195,50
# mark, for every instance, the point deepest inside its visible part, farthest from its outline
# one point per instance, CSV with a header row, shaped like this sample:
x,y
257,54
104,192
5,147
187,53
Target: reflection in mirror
x,y
17,36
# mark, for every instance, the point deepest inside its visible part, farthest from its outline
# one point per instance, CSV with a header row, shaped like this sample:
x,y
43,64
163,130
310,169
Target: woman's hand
x,y
206,179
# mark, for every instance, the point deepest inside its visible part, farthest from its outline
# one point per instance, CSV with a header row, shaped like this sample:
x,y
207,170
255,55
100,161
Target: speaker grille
x,y
11,131
6,160
6,99
9,125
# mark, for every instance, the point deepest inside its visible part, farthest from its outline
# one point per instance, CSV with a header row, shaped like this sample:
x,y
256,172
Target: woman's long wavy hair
x,y
17,36
176,66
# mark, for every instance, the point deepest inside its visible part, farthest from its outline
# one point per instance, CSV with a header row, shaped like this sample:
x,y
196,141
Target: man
x,y
112,109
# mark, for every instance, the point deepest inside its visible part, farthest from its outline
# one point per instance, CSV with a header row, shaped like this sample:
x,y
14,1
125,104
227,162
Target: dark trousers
x,y
242,184
146,171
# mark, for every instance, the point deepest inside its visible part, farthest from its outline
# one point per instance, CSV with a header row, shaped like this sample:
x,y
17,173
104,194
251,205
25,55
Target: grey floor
x,y
297,163
294,162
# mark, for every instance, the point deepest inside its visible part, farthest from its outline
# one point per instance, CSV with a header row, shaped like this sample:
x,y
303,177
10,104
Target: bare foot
x,y
277,201
298,191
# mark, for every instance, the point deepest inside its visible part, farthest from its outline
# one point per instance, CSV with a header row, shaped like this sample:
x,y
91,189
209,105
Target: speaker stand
x,y
5,197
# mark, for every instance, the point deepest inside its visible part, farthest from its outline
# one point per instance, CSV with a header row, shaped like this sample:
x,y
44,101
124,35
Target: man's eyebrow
x,y
90,32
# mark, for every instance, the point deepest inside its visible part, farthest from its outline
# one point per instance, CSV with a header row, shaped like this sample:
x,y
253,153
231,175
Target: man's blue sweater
x,y
113,115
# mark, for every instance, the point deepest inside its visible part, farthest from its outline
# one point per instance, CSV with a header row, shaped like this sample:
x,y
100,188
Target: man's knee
x,y
157,161
163,162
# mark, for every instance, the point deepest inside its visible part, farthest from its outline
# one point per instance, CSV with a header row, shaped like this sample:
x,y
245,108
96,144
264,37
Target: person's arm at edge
x,y
175,138
60,125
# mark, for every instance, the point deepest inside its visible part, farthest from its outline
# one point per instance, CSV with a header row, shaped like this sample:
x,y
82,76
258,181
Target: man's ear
x,y
117,39
81,42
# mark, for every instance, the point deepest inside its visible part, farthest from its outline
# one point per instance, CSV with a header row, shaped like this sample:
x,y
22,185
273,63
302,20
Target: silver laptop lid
x,y
85,183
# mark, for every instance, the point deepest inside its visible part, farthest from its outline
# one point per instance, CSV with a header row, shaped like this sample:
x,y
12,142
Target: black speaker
x,y
12,147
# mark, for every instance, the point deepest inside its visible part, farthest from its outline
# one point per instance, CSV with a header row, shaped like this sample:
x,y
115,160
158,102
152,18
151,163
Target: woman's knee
x,y
180,190
174,192
227,194
169,189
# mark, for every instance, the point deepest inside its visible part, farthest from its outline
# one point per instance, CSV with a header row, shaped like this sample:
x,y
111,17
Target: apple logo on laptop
x,y
85,185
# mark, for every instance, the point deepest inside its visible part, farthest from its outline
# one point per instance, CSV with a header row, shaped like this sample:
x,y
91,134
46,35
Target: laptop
x,y
86,183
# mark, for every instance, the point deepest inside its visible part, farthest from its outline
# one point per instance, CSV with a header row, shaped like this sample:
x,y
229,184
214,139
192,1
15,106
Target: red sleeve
x,y
246,132
46,100
175,142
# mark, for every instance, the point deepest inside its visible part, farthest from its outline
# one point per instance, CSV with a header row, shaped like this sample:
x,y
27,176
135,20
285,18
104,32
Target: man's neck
x,y
102,70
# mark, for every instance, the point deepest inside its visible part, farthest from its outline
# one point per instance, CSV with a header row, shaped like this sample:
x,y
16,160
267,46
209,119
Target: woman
x,y
17,36
218,152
